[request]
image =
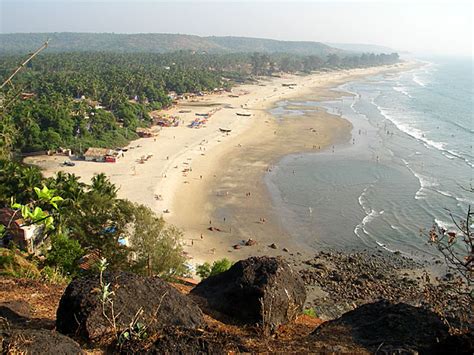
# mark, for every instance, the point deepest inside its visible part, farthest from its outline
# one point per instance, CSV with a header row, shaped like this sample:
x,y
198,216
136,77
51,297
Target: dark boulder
x,y
17,312
36,341
260,290
384,326
459,344
175,340
147,300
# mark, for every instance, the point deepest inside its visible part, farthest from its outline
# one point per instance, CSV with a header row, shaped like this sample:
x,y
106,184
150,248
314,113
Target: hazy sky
x,y
441,27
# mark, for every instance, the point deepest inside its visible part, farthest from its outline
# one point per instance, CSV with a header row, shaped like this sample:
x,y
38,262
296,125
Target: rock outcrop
x,y
386,327
260,290
37,341
146,300
173,340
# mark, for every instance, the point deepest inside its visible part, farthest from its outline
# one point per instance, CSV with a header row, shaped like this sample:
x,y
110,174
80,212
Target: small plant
x,y
54,275
310,312
457,247
205,270
105,296
136,330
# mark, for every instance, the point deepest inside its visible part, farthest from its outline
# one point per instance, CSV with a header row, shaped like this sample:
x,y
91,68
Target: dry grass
x,y
14,263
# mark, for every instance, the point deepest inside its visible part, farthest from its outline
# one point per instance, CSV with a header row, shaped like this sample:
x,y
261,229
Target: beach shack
x,y
97,154
24,236
102,155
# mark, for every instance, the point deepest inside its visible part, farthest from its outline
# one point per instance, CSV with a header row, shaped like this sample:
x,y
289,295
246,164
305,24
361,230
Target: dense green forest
x,y
82,99
126,86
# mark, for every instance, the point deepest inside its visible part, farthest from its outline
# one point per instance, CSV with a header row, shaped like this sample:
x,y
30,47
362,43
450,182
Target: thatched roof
x,y
96,152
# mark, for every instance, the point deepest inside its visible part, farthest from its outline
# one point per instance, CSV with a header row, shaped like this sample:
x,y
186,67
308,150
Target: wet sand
x,y
231,197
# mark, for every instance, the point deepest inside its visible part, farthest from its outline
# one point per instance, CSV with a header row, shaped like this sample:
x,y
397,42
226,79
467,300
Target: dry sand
x,y
225,167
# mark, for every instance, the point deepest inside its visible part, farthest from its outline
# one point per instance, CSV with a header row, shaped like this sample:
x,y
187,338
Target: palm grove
x,y
81,219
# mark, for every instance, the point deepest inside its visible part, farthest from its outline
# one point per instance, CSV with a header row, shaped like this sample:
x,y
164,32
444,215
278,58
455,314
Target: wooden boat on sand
x,y
244,114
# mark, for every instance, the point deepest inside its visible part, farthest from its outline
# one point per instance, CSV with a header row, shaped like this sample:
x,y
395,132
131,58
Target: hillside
x,y
362,48
105,42
245,44
155,43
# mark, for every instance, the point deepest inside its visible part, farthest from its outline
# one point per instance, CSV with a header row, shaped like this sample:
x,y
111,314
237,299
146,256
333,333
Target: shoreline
x,y
223,203
202,174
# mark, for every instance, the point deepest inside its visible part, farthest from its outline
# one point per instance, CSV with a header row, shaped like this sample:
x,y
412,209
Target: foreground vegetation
x,y
83,222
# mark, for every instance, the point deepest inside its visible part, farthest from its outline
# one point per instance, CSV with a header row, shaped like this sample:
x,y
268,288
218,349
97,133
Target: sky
x,y
416,26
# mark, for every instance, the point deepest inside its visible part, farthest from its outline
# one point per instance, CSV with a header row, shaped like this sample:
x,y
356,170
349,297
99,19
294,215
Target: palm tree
x,y
69,187
102,185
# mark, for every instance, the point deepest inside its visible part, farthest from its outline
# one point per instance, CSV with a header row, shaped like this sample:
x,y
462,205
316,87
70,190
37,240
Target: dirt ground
x,y
32,304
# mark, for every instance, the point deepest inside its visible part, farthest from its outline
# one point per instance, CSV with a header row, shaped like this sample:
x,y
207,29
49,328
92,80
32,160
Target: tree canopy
x,y
82,99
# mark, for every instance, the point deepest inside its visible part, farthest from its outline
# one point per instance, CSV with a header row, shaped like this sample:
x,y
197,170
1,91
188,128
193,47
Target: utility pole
x,y
22,65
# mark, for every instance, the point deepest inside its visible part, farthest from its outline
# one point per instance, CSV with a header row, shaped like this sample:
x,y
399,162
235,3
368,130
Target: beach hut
x,y
97,154
28,237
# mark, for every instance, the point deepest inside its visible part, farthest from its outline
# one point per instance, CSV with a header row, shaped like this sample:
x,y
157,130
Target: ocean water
x,y
405,168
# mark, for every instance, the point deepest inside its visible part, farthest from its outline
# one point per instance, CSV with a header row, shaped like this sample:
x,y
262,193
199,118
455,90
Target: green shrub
x,y
205,270
15,264
310,312
6,260
64,254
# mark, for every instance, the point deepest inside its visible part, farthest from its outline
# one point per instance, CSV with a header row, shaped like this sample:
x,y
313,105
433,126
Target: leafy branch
x,y
105,296
446,242
34,214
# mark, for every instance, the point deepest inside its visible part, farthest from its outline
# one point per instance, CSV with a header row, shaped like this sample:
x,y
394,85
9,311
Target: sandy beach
x,y
209,179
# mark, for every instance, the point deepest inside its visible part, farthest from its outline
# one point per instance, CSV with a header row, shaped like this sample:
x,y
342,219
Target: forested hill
x,y
362,48
245,44
155,43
